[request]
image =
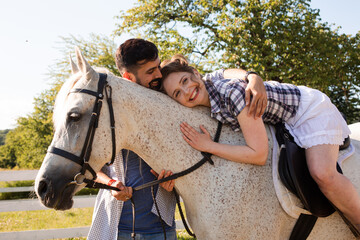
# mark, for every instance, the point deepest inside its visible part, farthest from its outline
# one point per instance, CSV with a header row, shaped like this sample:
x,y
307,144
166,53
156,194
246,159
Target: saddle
x,y
295,176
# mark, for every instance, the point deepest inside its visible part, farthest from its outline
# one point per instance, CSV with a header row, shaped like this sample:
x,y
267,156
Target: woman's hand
x,y
168,185
197,140
124,193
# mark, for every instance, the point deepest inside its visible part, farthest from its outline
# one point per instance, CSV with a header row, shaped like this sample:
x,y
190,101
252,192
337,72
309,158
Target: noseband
x,y
83,159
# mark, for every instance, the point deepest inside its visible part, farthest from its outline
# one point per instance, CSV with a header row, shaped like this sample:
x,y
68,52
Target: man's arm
x,y
124,193
255,88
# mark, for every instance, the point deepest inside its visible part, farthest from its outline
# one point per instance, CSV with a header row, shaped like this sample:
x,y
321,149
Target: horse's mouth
x,y
65,200
62,201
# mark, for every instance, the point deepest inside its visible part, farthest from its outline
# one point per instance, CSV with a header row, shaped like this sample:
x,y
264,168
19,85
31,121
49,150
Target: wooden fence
x,y
34,204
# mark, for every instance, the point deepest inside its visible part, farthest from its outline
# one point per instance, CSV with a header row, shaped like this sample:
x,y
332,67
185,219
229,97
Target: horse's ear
x,y
74,67
84,66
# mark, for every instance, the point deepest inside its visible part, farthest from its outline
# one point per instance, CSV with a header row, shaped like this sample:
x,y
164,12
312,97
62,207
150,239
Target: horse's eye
x,y
74,116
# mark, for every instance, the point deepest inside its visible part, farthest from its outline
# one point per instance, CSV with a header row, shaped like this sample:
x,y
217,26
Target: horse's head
x,y
75,140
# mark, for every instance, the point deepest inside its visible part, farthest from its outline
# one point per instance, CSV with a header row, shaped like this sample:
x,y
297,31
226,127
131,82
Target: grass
x,y
49,219
44,219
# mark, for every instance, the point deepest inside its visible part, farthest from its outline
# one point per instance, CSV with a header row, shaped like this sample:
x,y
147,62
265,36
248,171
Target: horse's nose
x,y
43,189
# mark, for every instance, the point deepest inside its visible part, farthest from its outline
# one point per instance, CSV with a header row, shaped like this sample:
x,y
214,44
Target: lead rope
x,y
133,215
158,212
93,184
182,215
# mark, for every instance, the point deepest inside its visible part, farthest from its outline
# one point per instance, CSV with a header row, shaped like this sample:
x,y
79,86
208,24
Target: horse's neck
x,y
148,123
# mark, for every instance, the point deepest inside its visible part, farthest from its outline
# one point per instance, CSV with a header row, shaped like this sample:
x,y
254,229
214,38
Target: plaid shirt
x,y
227,100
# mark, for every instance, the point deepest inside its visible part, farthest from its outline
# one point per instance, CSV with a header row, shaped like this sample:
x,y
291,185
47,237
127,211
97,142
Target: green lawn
x,y
48,219
44,219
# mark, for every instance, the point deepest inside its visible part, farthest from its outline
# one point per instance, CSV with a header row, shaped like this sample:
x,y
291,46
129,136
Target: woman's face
x,y
186,88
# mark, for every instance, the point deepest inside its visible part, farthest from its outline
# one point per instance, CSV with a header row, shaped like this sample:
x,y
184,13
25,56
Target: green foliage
x,y
183,235
283,40
3,135
98,50
26,145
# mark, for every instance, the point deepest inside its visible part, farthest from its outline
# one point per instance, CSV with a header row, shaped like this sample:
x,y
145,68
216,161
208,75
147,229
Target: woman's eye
x,y
74,116
184,81
177,94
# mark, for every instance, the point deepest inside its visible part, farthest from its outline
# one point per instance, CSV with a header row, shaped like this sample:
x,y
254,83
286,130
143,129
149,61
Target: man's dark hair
x,y
134,52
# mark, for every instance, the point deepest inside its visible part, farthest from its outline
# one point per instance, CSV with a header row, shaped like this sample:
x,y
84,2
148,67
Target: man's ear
x,y
129,76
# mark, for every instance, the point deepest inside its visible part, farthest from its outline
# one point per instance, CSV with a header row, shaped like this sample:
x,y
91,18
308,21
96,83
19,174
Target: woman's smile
x,y
194,94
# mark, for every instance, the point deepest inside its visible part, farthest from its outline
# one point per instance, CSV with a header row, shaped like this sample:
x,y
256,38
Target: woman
x,y
308,114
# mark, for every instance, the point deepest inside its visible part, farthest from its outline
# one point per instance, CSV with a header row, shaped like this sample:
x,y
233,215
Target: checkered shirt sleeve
x,y
283,101
227,100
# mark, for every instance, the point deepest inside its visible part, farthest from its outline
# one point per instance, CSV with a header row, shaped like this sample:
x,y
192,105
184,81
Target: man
x,y
138,61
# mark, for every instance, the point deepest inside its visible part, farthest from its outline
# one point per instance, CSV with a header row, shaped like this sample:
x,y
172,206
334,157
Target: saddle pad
x,y
288,201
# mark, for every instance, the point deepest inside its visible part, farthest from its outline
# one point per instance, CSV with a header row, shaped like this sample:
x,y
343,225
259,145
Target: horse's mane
x,y
63,94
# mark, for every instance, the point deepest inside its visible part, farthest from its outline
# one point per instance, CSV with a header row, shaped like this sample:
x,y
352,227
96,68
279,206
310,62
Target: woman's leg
x,y
321,160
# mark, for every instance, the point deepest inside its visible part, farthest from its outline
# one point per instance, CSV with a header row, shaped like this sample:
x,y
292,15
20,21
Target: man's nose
x,y
157,73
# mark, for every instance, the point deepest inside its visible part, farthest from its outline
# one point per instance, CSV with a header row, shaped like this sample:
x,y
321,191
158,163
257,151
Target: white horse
x,y
226,200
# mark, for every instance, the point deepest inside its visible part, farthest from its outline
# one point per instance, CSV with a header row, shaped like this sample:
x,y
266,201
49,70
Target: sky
x,y
30,36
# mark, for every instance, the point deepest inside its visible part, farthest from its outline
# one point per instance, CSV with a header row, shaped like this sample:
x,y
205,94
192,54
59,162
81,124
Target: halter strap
x,y
65,154
83,159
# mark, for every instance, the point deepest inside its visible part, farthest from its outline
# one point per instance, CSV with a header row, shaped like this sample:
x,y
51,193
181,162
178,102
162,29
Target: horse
x,y
226,200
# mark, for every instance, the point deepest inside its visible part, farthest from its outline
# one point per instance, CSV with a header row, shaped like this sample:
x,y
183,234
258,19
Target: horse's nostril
x,y
43,188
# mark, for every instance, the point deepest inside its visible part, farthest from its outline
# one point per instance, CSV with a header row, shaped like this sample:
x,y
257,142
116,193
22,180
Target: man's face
x,y
148,72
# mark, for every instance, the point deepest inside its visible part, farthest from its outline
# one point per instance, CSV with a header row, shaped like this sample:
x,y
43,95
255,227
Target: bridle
x,y
83,159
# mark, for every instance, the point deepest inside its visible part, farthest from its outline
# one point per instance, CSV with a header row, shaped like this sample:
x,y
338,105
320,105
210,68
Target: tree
x,y
283,40
26,145
3,135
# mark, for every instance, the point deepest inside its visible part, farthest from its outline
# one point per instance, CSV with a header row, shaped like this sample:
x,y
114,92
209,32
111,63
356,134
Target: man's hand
x,y
124,193
169,185
256,89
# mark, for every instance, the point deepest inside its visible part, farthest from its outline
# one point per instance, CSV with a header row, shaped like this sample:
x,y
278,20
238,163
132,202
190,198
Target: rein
x,y
206,158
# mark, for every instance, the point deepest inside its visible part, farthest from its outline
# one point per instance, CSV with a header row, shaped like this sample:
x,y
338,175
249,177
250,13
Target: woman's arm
x,y
255,151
